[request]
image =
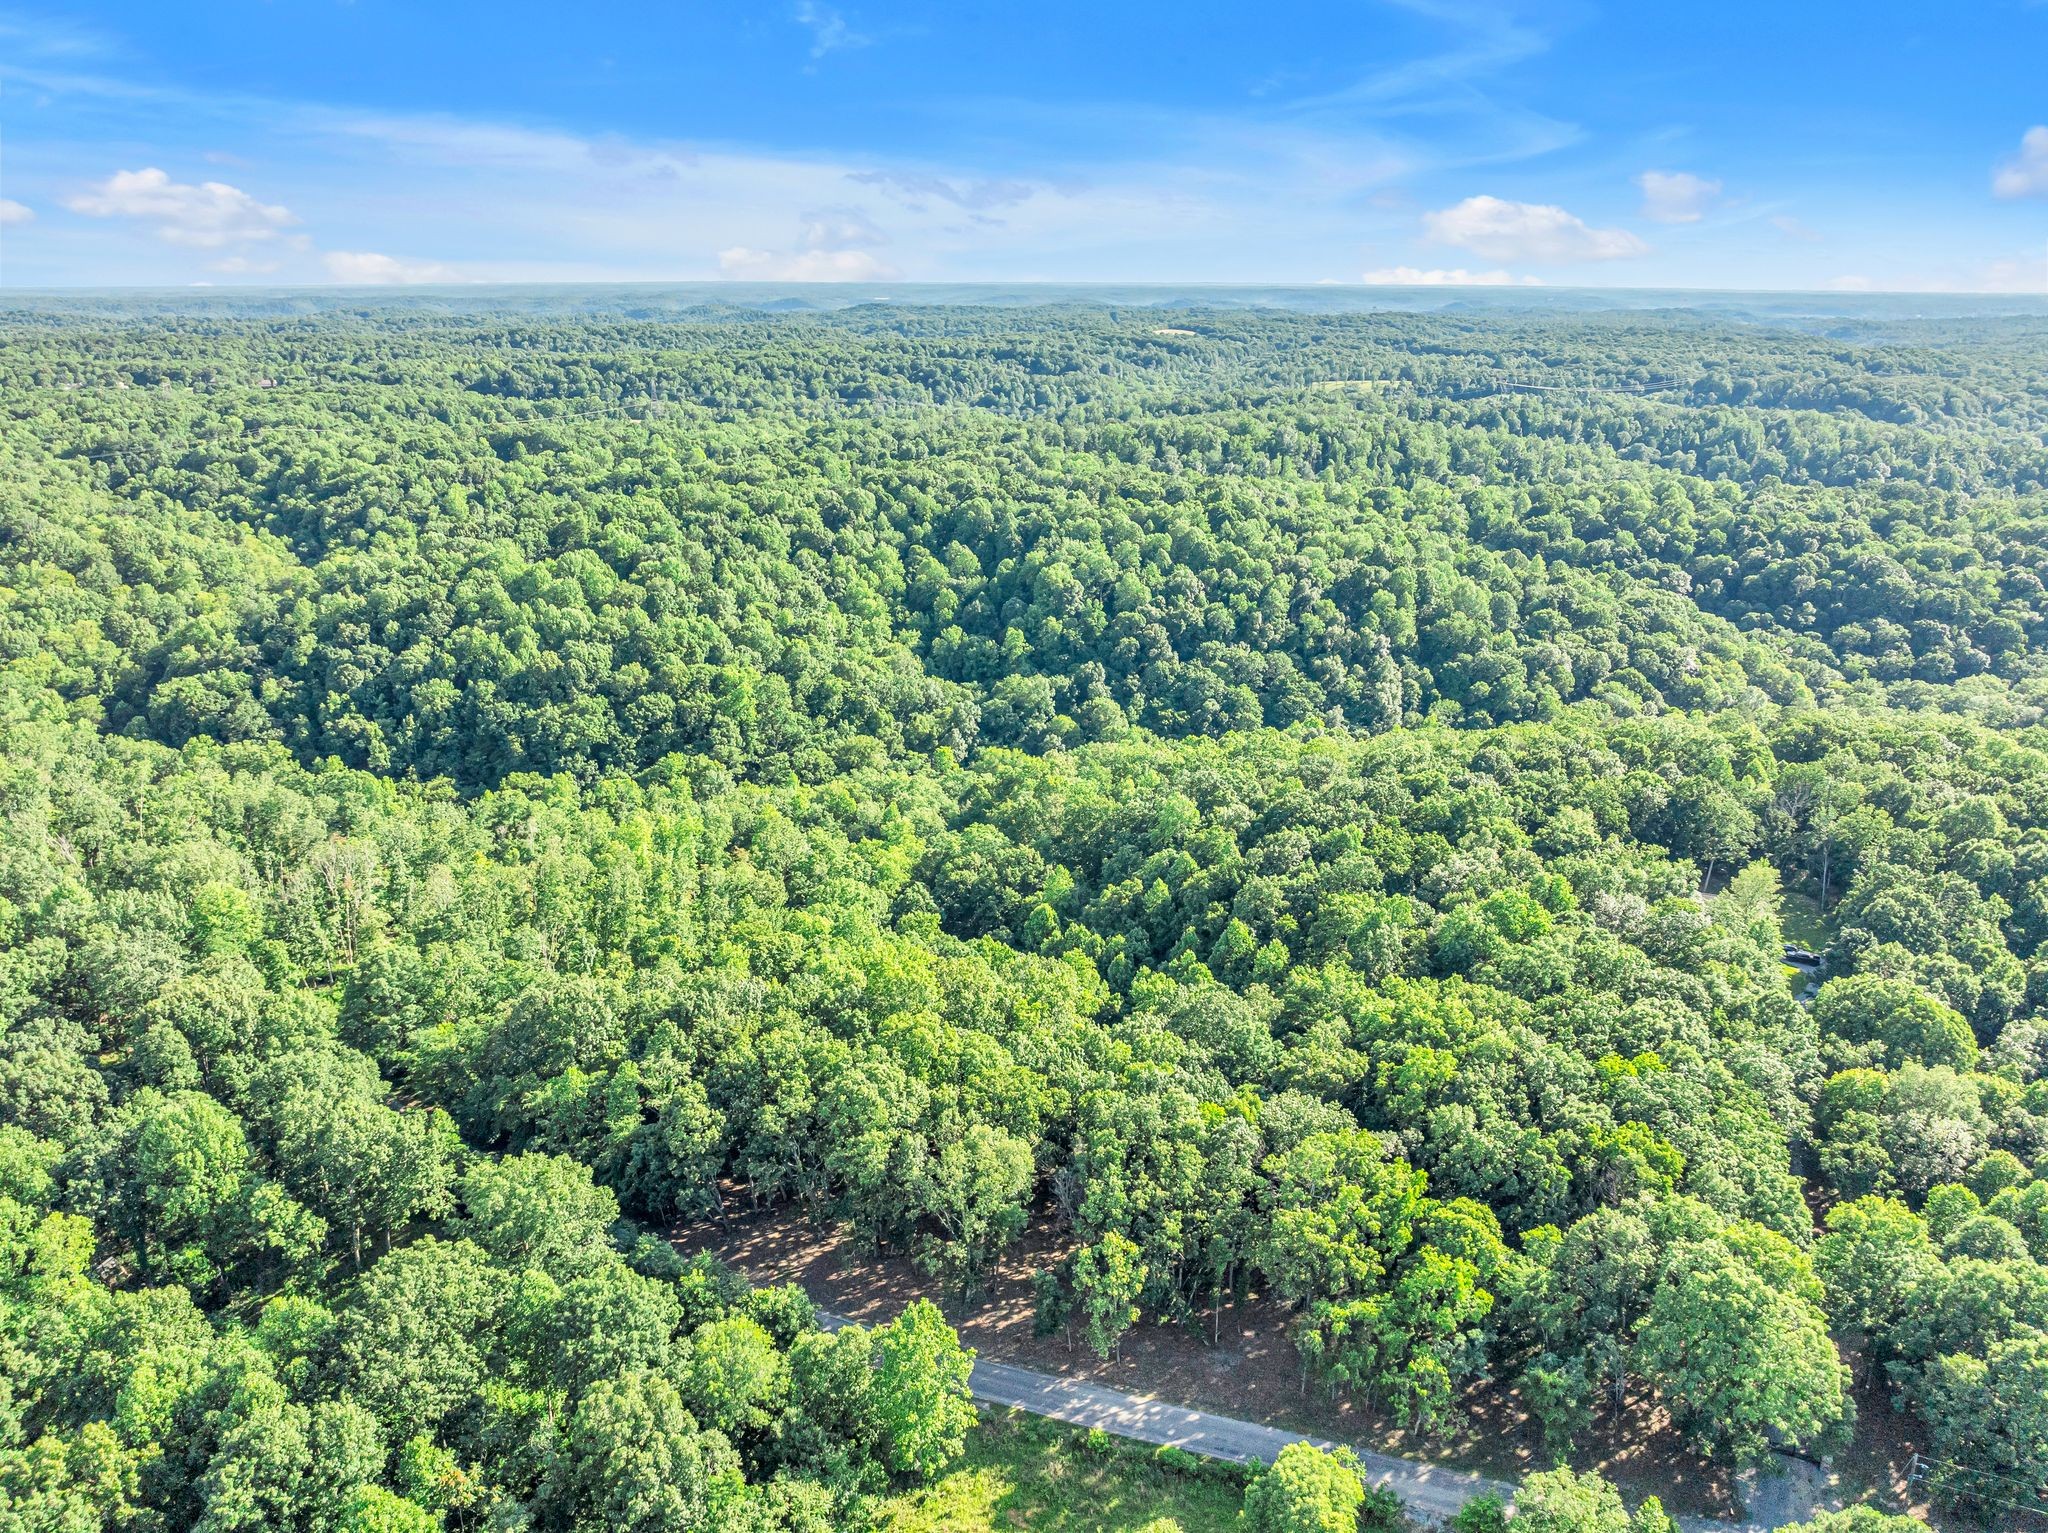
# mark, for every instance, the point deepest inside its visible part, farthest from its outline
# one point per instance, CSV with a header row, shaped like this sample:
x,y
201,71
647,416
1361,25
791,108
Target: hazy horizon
x,y
839,295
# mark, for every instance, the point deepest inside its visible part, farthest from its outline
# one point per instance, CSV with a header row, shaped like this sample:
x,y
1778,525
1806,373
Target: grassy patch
x,y
1023,1473
1802,922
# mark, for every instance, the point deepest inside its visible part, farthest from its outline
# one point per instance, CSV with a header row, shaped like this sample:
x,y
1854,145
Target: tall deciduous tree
x,y
921,1395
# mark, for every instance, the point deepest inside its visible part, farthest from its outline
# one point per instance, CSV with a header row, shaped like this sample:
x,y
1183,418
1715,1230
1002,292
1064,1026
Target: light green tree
x,y
737,1381
974,1190
1562,1501
1107,1279
1306,1491
1737,1342
633,1461
920,1391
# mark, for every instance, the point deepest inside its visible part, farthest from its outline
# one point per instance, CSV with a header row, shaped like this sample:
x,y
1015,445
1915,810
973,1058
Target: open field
x,y
1022,1473
1803,922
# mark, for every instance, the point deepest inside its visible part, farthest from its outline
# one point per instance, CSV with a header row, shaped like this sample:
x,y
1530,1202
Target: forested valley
x,y
1311,803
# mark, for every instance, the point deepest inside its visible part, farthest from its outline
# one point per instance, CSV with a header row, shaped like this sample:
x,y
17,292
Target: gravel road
x,y
1425,1488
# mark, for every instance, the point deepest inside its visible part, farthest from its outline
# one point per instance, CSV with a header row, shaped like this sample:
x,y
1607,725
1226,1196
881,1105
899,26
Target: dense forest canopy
x,y
1316,801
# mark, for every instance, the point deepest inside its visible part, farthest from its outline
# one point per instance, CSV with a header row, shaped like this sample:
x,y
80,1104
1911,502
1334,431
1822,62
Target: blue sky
x,y
1883,145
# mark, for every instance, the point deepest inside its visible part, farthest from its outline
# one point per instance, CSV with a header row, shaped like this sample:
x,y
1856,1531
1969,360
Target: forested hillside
x,y
1315,801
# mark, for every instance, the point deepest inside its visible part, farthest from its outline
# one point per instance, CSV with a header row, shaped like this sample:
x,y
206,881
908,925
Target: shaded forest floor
x,y
1252,1371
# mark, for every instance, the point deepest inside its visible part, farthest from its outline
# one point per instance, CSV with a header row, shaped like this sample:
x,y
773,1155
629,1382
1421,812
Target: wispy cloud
x,y
840,229
972,196
2011,275
443,139
44,37
1483,40
12,212
828,28
709,210
1454,97
2004,274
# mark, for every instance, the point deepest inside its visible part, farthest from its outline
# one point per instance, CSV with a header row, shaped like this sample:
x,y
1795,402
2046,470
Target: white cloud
x,y
12,212
1527,231
803,265
834,245
1851,284
1676,196
1793,229
2026,173
246,266
1437,276
205,217
366,268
